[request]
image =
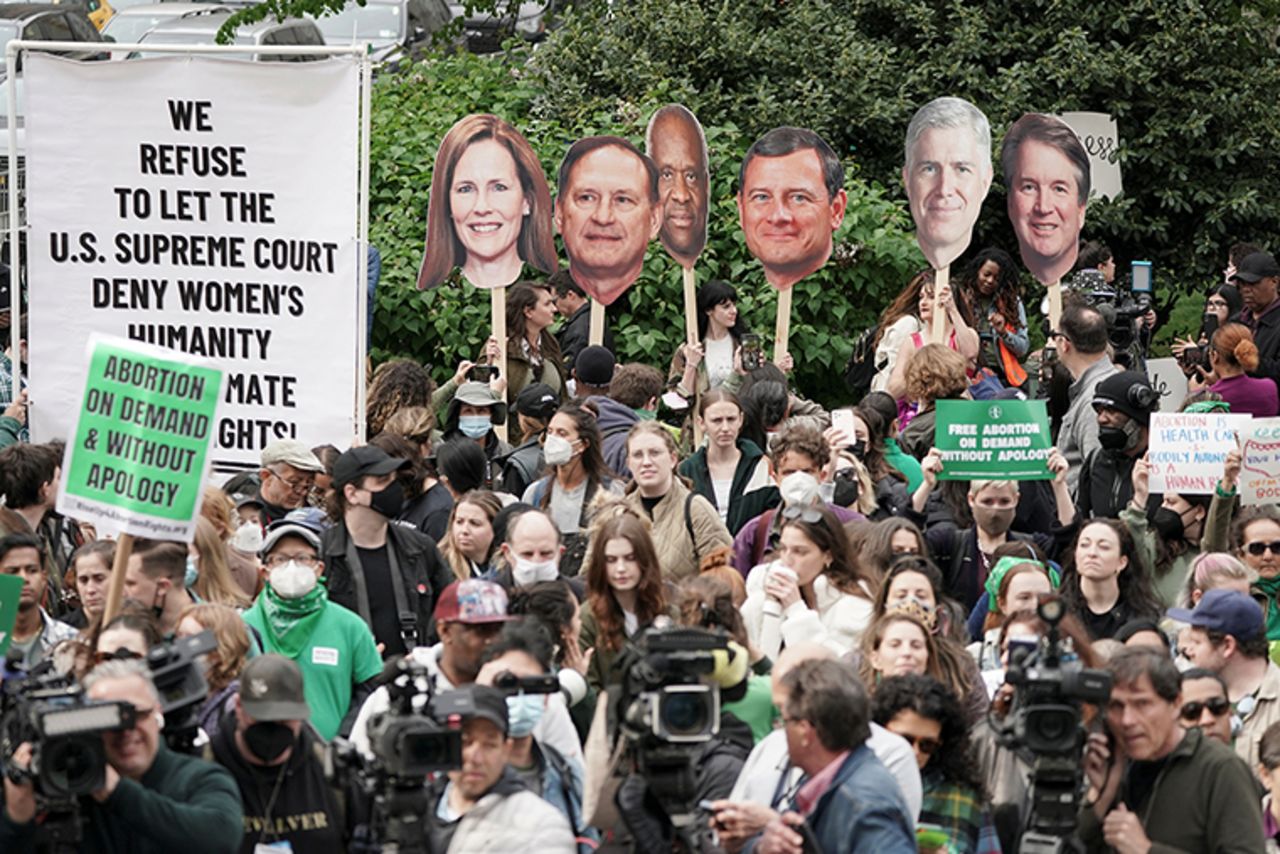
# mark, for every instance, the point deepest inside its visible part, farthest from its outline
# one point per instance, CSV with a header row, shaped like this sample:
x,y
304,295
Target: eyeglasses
x,y
294,485
1259,549
1217,707
926,745
120,654
281,560
812,515
1217,303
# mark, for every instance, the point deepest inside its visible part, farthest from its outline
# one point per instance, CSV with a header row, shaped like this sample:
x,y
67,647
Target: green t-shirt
x,y
339,655
755,709
905,463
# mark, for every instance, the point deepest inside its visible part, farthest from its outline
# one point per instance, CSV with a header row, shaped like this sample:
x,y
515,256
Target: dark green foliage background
x,y
1192,86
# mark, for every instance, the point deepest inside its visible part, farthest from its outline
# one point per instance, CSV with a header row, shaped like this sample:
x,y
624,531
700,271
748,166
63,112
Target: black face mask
x,y
390,501
859,449
1169,525
847,488
268,739
1119,438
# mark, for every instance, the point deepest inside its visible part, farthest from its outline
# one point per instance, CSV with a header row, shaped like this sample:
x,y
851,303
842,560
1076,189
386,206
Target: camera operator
x,y
1123,403
35,633
769,774
524,650
485,807
153,799
277,761
1157,786
847,800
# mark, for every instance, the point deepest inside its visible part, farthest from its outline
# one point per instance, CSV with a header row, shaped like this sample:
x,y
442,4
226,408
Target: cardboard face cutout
x,y
791,199
947,173
678,147
490,207
1046,172
607,210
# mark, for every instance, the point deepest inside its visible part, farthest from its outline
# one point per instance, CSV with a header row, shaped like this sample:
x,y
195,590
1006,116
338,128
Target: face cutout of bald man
x,y
947,173
791,199
1046,171
678,147
607,210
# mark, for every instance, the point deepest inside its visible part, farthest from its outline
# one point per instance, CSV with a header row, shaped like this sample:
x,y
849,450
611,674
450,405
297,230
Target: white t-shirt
x,y
721,489
718,356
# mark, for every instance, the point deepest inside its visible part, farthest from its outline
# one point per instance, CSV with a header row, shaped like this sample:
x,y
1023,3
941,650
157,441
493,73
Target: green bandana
x,y
1001,569
290,621
1271,586
645,414
1208,406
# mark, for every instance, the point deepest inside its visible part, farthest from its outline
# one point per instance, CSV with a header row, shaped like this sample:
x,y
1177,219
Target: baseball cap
x,y
488,703
537,401
271,689
291,452
1229,612
288,528
594,366
364,461
473,601
1129,392
1255,267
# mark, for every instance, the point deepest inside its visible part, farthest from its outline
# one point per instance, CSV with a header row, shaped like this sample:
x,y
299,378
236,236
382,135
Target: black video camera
x,y
407,745
666,698
178,674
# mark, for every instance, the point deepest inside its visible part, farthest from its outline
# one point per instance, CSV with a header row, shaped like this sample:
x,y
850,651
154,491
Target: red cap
x,y
473,601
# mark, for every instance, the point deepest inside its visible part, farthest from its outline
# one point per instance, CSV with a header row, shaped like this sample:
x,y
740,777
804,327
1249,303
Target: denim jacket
x,y
863,810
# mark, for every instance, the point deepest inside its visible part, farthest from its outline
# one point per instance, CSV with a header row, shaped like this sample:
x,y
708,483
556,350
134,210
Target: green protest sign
x,y
140,447
993,439
10,591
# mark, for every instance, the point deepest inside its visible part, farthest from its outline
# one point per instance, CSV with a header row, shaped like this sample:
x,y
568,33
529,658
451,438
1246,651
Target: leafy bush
x,y
1191,86
875,252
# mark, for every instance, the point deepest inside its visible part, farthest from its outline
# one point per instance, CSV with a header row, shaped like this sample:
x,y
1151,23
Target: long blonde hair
x,y
215,582
486,501
226,662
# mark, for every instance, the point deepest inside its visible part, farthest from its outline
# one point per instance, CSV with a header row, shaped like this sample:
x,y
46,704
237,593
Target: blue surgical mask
x,y
474,426
193,573
523,713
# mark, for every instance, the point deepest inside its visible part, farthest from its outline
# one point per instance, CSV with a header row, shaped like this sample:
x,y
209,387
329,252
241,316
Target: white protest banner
x,y
208,206
138,452
1260,462
1187,450
1168,381
1101,139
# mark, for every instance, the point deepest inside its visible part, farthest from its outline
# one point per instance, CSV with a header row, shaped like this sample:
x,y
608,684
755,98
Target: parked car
x,y
99,11
131,23
394,29
203,29
485,33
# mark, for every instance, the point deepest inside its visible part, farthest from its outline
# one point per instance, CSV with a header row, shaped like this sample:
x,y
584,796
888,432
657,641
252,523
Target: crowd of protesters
x,y
538,523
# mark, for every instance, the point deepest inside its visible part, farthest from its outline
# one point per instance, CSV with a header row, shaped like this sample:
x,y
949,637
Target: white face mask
x,y
293,580
557,450
526,572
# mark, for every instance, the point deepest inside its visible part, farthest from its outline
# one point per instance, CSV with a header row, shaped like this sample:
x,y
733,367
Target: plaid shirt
x,y
6,391
959,812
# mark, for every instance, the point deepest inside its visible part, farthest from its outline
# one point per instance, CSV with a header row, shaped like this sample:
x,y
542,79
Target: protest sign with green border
x,y
139,452
993,439
10,592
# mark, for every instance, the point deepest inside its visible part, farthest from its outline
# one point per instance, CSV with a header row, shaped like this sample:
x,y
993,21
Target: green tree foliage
x,y
1191,84
875,252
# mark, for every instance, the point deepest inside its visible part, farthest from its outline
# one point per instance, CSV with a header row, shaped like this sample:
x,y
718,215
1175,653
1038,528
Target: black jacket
x,y
575,333
424,572
1266,334
1106,486
524,466
306,811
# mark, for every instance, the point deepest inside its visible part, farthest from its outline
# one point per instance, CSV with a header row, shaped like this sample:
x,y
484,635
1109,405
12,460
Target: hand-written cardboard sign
x,y
678,147
790,202
947,174
490,207
209,207
1187,450
10,593
139,451
607,209
1047,177
1101,139
993,439
1260,462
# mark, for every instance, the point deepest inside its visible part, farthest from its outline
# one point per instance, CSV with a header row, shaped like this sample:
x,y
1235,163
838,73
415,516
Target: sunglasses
x,y
807,514
927,745
1217,707
1259,549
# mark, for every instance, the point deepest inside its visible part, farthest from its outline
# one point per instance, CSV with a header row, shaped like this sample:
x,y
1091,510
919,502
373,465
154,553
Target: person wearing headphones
x,y
1123,403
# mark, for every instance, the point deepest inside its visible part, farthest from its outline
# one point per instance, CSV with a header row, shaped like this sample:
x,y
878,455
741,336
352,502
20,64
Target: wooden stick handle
x,y
596,334
782,330
119,566
690,304
498,321
941,279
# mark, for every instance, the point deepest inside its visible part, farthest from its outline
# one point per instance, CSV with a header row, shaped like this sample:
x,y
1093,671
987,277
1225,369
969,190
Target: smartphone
x,y
752,352
482,373
842,420
1140,277
1210,324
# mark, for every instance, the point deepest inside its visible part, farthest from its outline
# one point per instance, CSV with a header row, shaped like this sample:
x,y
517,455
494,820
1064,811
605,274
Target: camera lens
x,y
72,766
685,714
1051,730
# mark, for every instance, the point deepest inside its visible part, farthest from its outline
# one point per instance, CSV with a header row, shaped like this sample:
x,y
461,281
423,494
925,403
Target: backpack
x,y
861,368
